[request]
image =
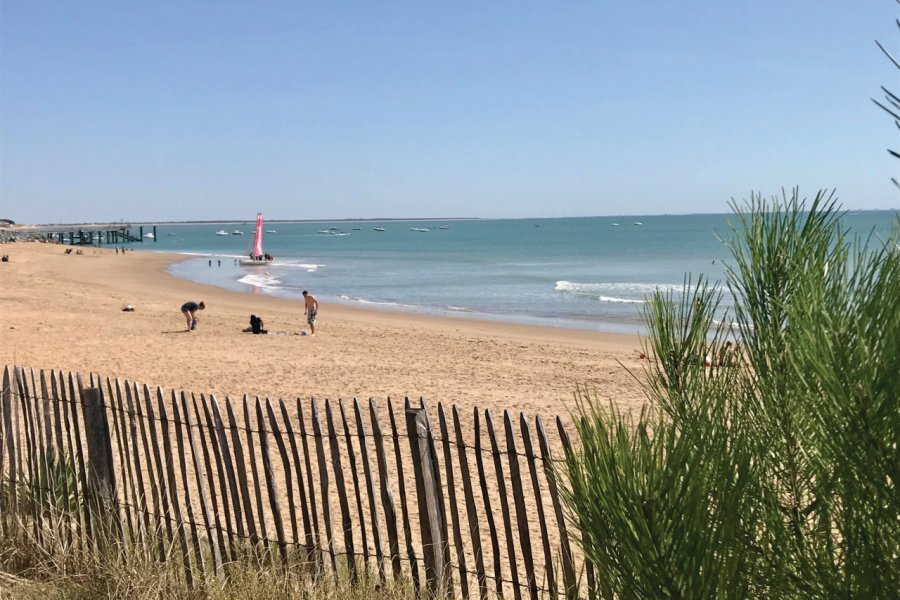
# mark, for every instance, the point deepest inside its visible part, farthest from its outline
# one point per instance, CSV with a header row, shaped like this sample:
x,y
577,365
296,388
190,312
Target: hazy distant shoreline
x,y
245,221
20,226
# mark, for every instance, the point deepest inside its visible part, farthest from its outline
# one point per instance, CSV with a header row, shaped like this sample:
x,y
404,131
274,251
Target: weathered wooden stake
x,y
454,509
313,513
429,494
257,488
488,511
115,403
471,514
205,508
387,495
356,487
226,475
101,484
82,471
269,474
370,491
304,507
343,499
404,508
61,457
504,506
538,502
10,442
323,486
515,478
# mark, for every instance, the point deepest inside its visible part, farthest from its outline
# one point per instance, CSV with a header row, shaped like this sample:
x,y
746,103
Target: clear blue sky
x,y
179,110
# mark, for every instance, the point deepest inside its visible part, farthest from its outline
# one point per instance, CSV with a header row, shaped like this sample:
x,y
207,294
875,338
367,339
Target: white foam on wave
x,y
398,306
308,267
615,300
460,309
620,292
618,287
359,300
615,292
260,281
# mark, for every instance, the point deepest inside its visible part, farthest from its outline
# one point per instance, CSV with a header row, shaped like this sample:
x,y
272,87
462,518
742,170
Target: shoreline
x,y
358,352
402,311
626,327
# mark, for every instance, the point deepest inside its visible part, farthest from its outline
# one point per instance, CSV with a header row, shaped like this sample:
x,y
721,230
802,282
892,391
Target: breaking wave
x,y
616,292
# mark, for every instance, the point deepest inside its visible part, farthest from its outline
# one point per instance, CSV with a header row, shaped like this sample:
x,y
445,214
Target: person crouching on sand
x,y
312,307
189,310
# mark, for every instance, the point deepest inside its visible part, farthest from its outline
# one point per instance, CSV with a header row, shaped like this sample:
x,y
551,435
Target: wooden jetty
x,y
112,234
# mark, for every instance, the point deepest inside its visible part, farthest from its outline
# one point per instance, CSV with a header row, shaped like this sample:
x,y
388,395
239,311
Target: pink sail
x,y
257,250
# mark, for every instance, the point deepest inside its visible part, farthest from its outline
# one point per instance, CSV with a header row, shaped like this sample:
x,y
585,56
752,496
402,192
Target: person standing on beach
x,y
189,310
312,307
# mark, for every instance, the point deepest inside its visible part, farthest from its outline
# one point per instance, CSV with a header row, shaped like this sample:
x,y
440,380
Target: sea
x,y
588,273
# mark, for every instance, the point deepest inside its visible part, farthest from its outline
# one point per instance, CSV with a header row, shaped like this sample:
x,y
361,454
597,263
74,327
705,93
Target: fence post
x,y
6,397
429,495
101,488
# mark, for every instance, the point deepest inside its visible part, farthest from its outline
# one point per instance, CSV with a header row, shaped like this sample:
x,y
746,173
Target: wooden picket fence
x,y
355,490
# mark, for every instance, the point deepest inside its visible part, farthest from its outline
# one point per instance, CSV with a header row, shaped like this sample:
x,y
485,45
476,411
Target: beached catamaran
x,y
256,255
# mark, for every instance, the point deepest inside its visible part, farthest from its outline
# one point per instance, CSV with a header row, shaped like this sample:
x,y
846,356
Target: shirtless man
x,y
312,307
189,310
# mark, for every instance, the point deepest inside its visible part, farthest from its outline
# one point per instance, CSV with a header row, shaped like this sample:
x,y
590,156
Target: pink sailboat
x,y
256,254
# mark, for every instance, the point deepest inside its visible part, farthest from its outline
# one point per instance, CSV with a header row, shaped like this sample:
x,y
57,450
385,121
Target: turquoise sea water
x,y
586,273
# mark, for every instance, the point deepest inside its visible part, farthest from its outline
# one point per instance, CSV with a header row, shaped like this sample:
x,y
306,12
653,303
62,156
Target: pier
x,y
112,234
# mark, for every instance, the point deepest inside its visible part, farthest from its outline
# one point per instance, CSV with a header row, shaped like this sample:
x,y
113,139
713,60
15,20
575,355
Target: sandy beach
x,y
63,311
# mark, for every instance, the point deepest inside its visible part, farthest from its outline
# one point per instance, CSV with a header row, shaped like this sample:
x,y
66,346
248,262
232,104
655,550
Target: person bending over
x,y
189,310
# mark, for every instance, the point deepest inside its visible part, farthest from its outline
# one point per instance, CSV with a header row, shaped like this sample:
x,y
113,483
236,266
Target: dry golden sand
x,y
61,311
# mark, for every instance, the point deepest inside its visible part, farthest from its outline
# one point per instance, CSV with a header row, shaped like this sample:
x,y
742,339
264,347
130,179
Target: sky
x,y
202,110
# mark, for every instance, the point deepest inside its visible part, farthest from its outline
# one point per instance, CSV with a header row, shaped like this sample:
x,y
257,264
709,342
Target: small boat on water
x,y
256,255
237,232
271,231
614,225
357,229
443,227
638,223
379,229
150,236
221,232
324,231
420,229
